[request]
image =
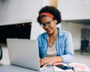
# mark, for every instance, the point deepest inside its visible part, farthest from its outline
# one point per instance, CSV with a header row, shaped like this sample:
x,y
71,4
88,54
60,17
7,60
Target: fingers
x,y
46,61
39,59
45,65
43,62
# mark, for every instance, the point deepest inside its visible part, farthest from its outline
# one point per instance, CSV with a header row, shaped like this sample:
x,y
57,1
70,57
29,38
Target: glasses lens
x,y
46,24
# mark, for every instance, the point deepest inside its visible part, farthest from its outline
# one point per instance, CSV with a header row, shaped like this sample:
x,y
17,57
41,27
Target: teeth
x,y
48,29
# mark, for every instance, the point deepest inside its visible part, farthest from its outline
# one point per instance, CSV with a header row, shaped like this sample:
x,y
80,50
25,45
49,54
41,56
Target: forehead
x,y
45,19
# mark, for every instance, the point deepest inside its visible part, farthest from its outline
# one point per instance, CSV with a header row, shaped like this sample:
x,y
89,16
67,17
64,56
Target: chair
x,y
0,52
85,48
84,44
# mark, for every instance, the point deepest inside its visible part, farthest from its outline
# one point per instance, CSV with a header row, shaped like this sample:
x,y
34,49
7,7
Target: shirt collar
x,y
59,33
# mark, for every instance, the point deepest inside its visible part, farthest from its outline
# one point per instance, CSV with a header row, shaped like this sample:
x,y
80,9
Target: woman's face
x,y
49,24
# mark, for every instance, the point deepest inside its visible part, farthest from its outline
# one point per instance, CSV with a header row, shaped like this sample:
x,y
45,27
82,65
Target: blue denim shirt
x,y
64,45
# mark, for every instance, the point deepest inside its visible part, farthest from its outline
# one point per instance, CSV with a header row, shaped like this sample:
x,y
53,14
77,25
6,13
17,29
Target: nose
x,y
45,27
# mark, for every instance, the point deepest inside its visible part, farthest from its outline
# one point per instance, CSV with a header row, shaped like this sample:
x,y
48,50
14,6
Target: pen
x,y
71,67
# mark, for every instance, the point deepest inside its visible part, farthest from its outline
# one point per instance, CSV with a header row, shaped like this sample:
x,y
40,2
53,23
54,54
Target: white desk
x,y
11,68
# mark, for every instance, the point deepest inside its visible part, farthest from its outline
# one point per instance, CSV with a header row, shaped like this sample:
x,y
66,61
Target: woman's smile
x,y
48,30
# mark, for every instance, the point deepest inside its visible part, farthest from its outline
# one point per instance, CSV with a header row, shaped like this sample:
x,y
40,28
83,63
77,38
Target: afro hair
x,y
51,9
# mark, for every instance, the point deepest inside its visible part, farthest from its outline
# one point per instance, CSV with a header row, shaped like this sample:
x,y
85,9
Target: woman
x,y
55,45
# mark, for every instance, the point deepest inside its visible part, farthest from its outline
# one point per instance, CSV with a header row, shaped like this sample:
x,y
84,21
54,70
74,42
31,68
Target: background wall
x,y
19,10
74,9
75,30
16,11
22,10
0,9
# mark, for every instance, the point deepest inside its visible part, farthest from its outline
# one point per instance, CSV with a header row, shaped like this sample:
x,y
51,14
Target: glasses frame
x,y
46,24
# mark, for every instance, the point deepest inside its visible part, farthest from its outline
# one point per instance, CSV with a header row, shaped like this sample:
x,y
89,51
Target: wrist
x,y
58,59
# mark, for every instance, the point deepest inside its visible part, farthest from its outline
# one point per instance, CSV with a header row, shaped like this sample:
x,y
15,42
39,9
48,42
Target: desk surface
x,y
11,68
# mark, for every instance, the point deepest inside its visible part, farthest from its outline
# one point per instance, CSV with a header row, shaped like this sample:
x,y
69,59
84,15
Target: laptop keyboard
x,y
44,68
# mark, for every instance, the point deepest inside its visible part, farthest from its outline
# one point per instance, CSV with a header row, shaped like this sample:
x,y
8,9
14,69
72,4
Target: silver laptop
x,y
24,52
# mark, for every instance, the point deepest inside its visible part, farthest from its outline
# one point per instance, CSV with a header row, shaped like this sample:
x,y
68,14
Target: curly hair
x,y
51,9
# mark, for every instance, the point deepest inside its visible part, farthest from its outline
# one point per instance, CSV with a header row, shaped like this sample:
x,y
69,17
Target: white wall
x,y
0,8
9,12
22,10
74,9
0,5
19,10
75,30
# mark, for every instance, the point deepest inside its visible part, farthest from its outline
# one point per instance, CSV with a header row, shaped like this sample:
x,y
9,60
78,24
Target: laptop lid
x,y
24,52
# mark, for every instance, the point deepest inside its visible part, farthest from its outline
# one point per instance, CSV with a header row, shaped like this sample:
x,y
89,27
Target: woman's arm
x,y
51,60
69,52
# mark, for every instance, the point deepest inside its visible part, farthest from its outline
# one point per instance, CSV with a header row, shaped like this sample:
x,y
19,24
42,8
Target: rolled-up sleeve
x,y
69,51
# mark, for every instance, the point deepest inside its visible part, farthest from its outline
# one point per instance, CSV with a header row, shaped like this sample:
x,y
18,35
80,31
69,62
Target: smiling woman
x,y
55,45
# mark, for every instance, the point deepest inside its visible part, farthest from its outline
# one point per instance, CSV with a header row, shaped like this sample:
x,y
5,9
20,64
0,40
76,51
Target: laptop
x,y
24,53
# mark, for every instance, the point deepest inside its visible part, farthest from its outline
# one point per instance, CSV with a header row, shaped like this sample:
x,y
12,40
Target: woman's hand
x,y
50,60
39,59
47,61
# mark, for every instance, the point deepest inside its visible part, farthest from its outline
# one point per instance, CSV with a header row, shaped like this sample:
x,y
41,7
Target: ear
x,y
55,21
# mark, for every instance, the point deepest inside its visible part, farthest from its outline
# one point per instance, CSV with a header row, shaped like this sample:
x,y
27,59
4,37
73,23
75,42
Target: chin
x,y
49,32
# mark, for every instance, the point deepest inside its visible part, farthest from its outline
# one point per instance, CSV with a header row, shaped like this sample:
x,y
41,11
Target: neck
x,y
54,33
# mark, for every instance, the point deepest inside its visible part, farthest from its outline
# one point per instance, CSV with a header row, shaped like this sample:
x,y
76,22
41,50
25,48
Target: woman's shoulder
x,y
64,33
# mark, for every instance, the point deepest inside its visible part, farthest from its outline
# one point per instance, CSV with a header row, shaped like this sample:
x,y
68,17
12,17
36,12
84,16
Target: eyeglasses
x,y
46,24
